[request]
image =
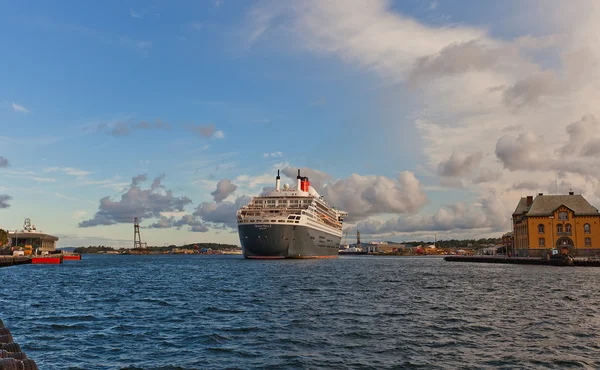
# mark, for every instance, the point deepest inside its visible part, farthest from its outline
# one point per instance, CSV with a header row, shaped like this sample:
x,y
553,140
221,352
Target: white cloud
x,y
19,108
219,134
273,155
224,189
488,213
43,179
459,164
134,14
474,92
68,171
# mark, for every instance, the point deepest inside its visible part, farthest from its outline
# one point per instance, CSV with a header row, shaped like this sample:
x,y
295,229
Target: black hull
x,y
286,241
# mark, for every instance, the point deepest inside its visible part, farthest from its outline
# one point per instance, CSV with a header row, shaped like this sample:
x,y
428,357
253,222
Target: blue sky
x,y
95,94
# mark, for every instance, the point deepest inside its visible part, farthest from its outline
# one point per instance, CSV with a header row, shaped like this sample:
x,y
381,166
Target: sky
x,y
420,118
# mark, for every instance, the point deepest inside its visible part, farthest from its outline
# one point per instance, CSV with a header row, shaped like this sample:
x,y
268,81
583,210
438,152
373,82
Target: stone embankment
x,y
11,355
12,261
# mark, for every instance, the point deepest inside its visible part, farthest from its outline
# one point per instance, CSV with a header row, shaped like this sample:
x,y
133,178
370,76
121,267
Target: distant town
x,y
441,247
196,248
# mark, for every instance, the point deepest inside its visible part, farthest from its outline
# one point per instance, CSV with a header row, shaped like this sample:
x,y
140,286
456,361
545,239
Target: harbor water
x,y
214,312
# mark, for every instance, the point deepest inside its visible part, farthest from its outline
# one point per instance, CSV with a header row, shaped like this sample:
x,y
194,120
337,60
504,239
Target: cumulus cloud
x,y
504,86
529,152
584,136
487,175
222,214
137,202
532,88
195,225
526,185
524,152
317,178
224,189
459,164
362,196
4,162
454,59
207,131
4,201
488,213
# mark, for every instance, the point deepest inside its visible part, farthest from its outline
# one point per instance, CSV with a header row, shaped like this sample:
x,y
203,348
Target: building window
x,y
563,216
568,228
588,242
540,229
559,228
586,228
542,242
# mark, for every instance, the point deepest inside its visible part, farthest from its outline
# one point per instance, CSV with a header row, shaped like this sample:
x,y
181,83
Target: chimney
x,y
277,181
529,200
299,181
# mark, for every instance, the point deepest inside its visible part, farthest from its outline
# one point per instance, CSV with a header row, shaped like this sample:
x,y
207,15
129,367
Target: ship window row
x,y
278,221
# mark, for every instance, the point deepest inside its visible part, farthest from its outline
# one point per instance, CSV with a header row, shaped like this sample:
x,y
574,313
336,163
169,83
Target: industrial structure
x,y
137,237
556,224
32,238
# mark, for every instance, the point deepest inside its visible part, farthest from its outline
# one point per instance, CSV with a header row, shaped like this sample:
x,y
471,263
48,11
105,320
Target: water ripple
x,y
217,312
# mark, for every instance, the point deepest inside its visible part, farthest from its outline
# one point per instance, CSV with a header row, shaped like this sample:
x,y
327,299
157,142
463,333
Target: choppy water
x,y
204,312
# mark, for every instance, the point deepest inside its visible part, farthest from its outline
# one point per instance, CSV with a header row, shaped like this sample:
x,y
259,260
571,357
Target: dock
x,y
48,259
13,261
524,261
11,355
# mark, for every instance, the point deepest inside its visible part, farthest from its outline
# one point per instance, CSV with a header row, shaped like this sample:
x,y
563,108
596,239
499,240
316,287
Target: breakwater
x,y
11,355
524,261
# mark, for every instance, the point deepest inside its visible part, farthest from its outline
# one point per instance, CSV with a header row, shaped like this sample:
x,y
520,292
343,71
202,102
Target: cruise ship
x,y
290,223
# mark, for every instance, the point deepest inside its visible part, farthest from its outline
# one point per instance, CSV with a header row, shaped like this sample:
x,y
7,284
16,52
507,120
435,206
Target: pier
x,y
590,262
12,261
11,355
48,259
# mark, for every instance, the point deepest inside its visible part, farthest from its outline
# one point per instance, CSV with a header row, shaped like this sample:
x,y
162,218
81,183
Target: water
x,y
213,312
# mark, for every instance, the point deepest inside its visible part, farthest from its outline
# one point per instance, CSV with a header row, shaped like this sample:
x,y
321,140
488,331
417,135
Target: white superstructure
x,y
293,206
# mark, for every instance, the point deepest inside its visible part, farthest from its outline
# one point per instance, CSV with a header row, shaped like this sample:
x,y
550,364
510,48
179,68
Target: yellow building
x,y
567,223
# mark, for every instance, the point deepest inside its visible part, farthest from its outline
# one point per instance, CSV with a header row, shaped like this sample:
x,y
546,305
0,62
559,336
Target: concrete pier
x,y
523,261
12,261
